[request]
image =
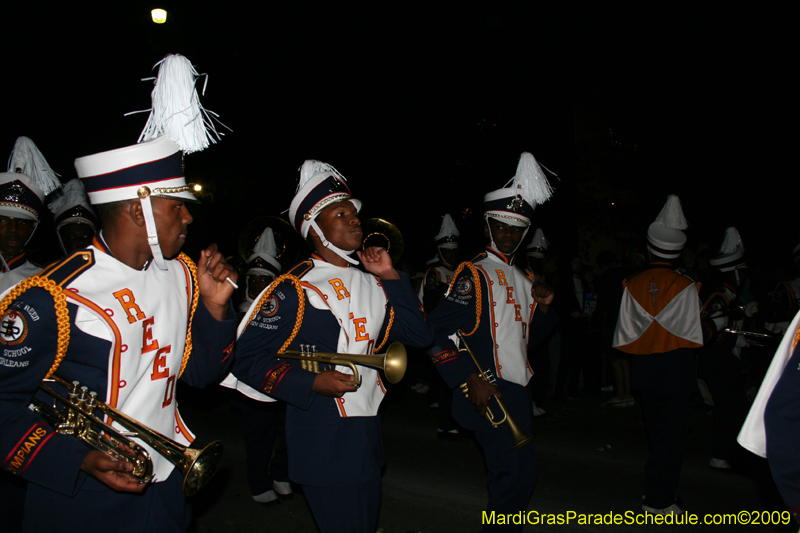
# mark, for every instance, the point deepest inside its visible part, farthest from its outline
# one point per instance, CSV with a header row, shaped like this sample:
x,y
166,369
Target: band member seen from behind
x,y
332,428
659,325
499,311
139,316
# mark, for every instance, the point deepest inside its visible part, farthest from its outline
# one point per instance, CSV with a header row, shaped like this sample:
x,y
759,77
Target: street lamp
x,y
159,16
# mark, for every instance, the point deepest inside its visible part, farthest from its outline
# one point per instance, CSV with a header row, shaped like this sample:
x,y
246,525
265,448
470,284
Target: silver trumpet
x,y
78,418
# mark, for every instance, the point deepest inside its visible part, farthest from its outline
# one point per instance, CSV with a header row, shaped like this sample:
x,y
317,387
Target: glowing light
x,y
197,187
159,16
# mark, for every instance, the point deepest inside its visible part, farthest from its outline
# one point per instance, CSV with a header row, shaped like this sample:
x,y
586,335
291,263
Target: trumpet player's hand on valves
x,y
377,261
479,391
113,473
332,383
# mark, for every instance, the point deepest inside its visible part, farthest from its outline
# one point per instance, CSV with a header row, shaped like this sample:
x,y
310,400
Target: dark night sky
x,y
424,109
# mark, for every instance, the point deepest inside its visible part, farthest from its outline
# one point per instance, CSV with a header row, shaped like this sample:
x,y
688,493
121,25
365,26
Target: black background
x,y
425,108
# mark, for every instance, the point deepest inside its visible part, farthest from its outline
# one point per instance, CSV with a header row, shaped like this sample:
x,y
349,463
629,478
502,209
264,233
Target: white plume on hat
x,y
72,194
665,236
29,160
530,182
671,215
266,244
447,229
176,111
538,244
312,167
732,242
731,252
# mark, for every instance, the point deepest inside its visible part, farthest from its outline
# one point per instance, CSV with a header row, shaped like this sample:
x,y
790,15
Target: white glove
x,y
721,322
741,341
751,309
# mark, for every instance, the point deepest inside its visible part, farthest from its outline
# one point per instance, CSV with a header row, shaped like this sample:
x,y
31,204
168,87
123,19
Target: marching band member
x,y
659,325
263,422
135,325
772,427
719,362
22,191
499,311
332,428
126,317
439,275
262,268
75,220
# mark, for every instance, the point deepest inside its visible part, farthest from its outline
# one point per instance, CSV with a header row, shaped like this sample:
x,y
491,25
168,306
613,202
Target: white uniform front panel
x,y
145,318
512,308
358,302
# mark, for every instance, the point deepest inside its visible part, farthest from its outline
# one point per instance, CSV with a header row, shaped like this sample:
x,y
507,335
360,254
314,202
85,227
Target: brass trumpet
x,y
77,418
520,438
393,362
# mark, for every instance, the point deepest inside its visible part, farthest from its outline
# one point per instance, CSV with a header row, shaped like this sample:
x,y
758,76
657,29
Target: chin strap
x,y
344,254
150,224
494,246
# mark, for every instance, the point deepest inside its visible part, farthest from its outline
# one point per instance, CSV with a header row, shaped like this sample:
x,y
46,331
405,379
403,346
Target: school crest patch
x,y
13,328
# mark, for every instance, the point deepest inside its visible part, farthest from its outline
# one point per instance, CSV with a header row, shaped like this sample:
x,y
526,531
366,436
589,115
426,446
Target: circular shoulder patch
x,y
270,307
13,328
463,286
431,280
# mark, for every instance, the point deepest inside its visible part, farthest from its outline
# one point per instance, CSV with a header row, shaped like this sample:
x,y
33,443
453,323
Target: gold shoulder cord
x,y
187,350
301,306
478,292
388,329
62,314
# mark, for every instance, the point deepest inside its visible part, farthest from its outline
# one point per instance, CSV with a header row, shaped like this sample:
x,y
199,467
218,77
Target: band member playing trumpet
x,y
499,311
126,317
327,305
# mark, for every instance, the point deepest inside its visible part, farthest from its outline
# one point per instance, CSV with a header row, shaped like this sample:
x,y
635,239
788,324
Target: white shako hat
x,y
28,180
448,234
320,185
538,245
262,260
731,252
154,167
665,236
514,205
151,168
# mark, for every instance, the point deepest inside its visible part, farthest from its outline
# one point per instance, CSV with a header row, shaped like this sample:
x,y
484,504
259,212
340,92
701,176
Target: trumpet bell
x,y
395,362
201,469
